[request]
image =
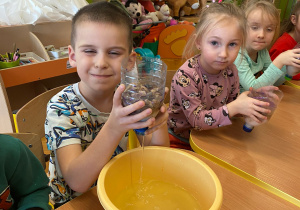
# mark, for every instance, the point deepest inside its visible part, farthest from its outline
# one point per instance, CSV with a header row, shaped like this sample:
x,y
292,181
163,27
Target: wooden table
x,y
238,194
271,152
295,83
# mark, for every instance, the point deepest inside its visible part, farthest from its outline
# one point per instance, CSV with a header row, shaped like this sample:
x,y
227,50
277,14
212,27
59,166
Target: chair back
x,y
33,142
173,39
31,117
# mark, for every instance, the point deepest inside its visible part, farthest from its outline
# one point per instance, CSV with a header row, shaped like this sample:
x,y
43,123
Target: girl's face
x,y
260,31
220,46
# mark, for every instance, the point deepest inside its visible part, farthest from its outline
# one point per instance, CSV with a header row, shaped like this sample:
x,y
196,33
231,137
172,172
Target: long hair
x,y
210,17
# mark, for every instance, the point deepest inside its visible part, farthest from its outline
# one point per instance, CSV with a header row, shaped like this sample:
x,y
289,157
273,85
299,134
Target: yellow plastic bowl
x,y
162,164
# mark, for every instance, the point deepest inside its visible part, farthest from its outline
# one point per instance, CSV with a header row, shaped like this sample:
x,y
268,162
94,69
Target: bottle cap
x,y
247,129
141,131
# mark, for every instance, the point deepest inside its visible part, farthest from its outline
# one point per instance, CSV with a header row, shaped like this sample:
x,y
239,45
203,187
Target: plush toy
x,y
134,8
187,10
152,16
158,3
176,5
137,12
164,13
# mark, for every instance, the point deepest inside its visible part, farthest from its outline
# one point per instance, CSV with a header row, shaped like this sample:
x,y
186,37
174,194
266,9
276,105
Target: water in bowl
x,y
157,195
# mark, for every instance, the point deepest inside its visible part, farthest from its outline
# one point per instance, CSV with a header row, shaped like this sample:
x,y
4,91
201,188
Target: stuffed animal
x,y
164,13
158,3
152,16
176,5
134,8
137,12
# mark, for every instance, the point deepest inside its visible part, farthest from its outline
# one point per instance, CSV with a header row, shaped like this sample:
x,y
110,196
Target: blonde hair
x,y
267,8
209,18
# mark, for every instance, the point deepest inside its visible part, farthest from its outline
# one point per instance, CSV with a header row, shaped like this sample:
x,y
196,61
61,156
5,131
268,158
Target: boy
x,y
23,181
86,123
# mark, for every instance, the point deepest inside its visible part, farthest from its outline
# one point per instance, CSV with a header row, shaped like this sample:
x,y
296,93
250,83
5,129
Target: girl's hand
x,y
289,57
265,89
250,121
253,108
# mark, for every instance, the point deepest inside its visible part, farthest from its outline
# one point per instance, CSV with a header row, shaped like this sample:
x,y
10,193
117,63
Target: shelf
x,y
35,72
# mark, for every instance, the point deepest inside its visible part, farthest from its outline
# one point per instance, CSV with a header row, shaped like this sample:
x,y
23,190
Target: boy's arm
x,y
29,183
81,169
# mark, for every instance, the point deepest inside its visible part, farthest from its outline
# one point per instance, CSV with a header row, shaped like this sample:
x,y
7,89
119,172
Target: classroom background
x,y
36,42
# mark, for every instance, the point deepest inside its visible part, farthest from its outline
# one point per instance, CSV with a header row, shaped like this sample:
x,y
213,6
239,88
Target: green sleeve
x,y
279,74
28,183
247,70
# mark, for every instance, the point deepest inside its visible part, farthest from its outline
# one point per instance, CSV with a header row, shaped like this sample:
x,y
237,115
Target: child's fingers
x,y
260,103
126,111
273,96
157,125
262,110
161,118
118,94
166,92
153,129
297,51
267,88
258,117
163,108
296,61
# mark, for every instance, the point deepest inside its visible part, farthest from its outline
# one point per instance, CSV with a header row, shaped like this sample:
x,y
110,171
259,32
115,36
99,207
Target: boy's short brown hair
x,y
102,12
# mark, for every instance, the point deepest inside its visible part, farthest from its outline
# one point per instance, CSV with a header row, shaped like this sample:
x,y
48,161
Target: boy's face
x,y
99,51
260,30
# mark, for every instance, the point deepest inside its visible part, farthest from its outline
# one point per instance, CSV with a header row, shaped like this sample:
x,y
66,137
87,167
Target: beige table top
x,y
271,152
237,194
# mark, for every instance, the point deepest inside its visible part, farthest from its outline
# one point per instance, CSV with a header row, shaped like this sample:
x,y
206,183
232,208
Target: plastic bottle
x,y
144,80
273,97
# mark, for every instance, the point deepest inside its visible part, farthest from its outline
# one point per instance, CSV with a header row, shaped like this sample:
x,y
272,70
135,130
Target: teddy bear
x,y
176,5
164,13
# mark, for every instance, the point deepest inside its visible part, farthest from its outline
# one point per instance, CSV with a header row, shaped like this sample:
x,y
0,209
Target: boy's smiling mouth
x,y
100,75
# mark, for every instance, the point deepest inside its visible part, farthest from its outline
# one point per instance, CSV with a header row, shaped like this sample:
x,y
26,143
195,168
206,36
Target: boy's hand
x,y
120,119
161,118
